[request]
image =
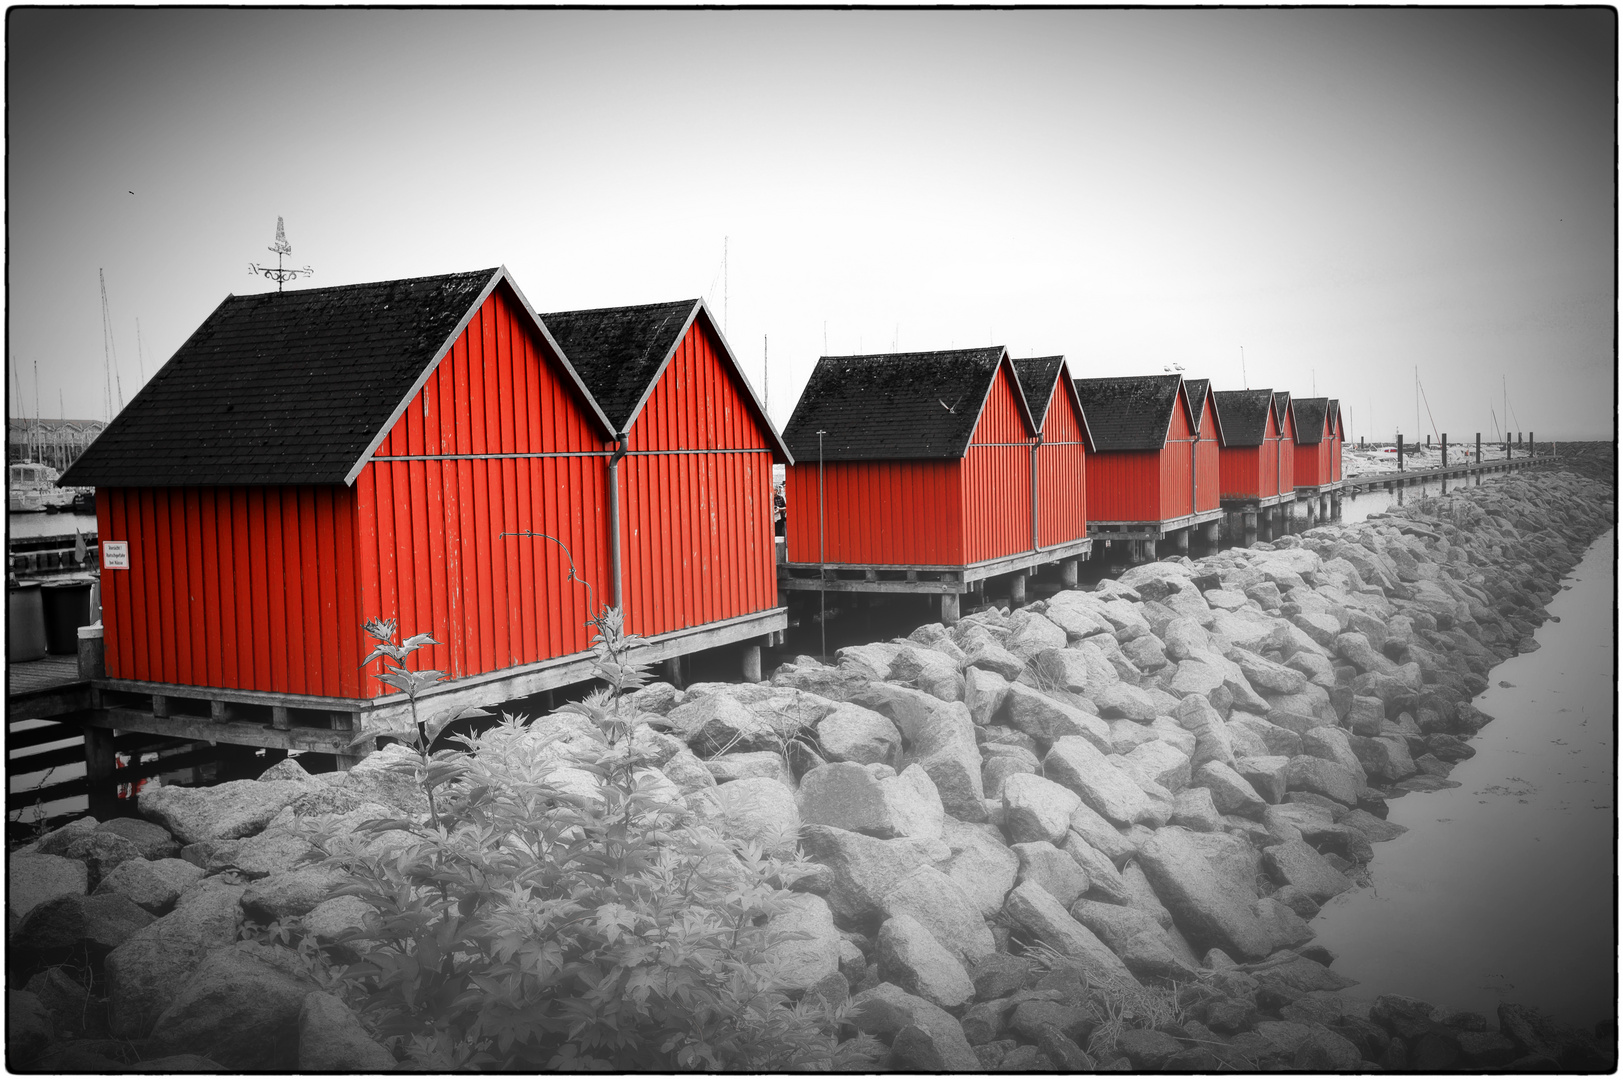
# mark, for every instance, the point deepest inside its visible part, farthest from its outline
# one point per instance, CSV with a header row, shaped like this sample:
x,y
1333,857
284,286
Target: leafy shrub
x,y
560,908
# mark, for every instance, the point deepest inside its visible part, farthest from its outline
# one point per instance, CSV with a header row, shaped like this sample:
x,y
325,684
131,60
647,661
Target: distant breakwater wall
x,y
1091,832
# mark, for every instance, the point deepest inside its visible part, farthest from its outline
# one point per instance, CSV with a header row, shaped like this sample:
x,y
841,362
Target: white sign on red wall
x,y
115,555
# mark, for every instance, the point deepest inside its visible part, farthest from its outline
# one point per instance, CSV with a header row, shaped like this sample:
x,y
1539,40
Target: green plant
x,y
561,909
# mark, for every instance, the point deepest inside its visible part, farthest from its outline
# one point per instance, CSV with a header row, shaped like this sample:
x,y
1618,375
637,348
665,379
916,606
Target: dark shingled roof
x,y
1308,416
1129,413
893,405
1333,407
282,387
619,351
1282,409
1038,377
1243,415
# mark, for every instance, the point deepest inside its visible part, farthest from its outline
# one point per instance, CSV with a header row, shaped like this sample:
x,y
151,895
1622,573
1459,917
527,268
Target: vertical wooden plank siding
x,y
889,513
696,497
1175,464
996,476
220,579
1286,445
442,565
1240,471
1062,472
1207,492
1125,485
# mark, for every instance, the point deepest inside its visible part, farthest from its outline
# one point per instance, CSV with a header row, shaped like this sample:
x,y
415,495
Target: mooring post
x,y
752,661
1068,574
100,762
1445,449
1529,444
1479,448
1400,453
949,608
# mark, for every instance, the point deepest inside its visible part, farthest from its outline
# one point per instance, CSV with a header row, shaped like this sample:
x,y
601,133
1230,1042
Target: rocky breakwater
x,y
1089,833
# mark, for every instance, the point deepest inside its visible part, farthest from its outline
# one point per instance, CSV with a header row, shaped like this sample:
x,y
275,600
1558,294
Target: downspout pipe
x,y
1035,443
614,518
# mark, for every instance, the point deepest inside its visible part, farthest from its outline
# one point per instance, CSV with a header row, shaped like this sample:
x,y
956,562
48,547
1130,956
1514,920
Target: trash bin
x,y
67,607
25,623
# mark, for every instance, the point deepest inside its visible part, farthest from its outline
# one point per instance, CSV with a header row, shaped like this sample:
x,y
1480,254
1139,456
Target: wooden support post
x,y
1212,535
344,721
160,706
1017,589
1479,448
1445,449
1180,540
217,711
949,609
752,661
1400,453
100,764
1529,444
673,671
1248,521
279,719
1067,573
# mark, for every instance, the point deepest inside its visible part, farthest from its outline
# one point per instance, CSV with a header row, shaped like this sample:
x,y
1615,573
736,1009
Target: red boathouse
x,y
1319,433
695,560
1253,472
1155,466
921,472
1285,424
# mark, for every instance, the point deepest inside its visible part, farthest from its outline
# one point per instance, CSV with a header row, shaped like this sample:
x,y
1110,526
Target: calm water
x,y
1358,506
1503,889
28,526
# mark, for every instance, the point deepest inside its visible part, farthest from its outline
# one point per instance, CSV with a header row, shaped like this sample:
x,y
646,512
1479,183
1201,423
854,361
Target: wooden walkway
x,y
32,676
1443,472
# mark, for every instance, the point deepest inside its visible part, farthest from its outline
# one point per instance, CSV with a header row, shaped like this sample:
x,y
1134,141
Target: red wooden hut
x,y
1059,455
914,472
694,557
1154,469
1318,443
314,458
1252,470
1285,437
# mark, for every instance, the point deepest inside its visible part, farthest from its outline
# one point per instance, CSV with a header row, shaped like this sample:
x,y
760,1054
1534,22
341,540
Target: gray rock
x,y
97,923
100,851
808,949
337,917
1198,717
1124,701
153,885
1208,907
1269,775
887,1009
1136,937
1366,715
331,1039
861,868
148,970
1194,809
1295,862
1079,766
1031,908
984,694
719,724
852,733
1325,778
1286,927
1045,718
1159,762
1231,792
749,765
1053,869
932,898
760,811
152,841
1104,880
1279,740
32,880
929,671
226,811
1330,743
262,855
64,998
1003,761
940,737
29,1029
988,656
1147,1048
238,1011
1036,808
1268,677
291,892
911,957
1100,834
1385,759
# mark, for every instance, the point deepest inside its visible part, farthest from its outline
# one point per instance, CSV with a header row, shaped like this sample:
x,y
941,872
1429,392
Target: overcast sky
x,y
1343,194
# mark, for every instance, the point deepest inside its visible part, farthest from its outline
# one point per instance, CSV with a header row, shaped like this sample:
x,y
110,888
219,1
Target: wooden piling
x,y
1400,453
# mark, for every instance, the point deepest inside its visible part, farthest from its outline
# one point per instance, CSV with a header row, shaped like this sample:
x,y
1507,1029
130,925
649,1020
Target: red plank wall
x,y
696,509
1286,447
235,588
1176,497
428,550
996,476
903,513
1207,495
1062,499
1245,471
1125,485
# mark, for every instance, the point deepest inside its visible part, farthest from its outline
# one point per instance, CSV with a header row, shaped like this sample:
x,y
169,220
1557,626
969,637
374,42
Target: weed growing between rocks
x,y
560,909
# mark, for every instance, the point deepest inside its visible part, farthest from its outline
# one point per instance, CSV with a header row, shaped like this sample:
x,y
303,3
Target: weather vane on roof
x,y
278,273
